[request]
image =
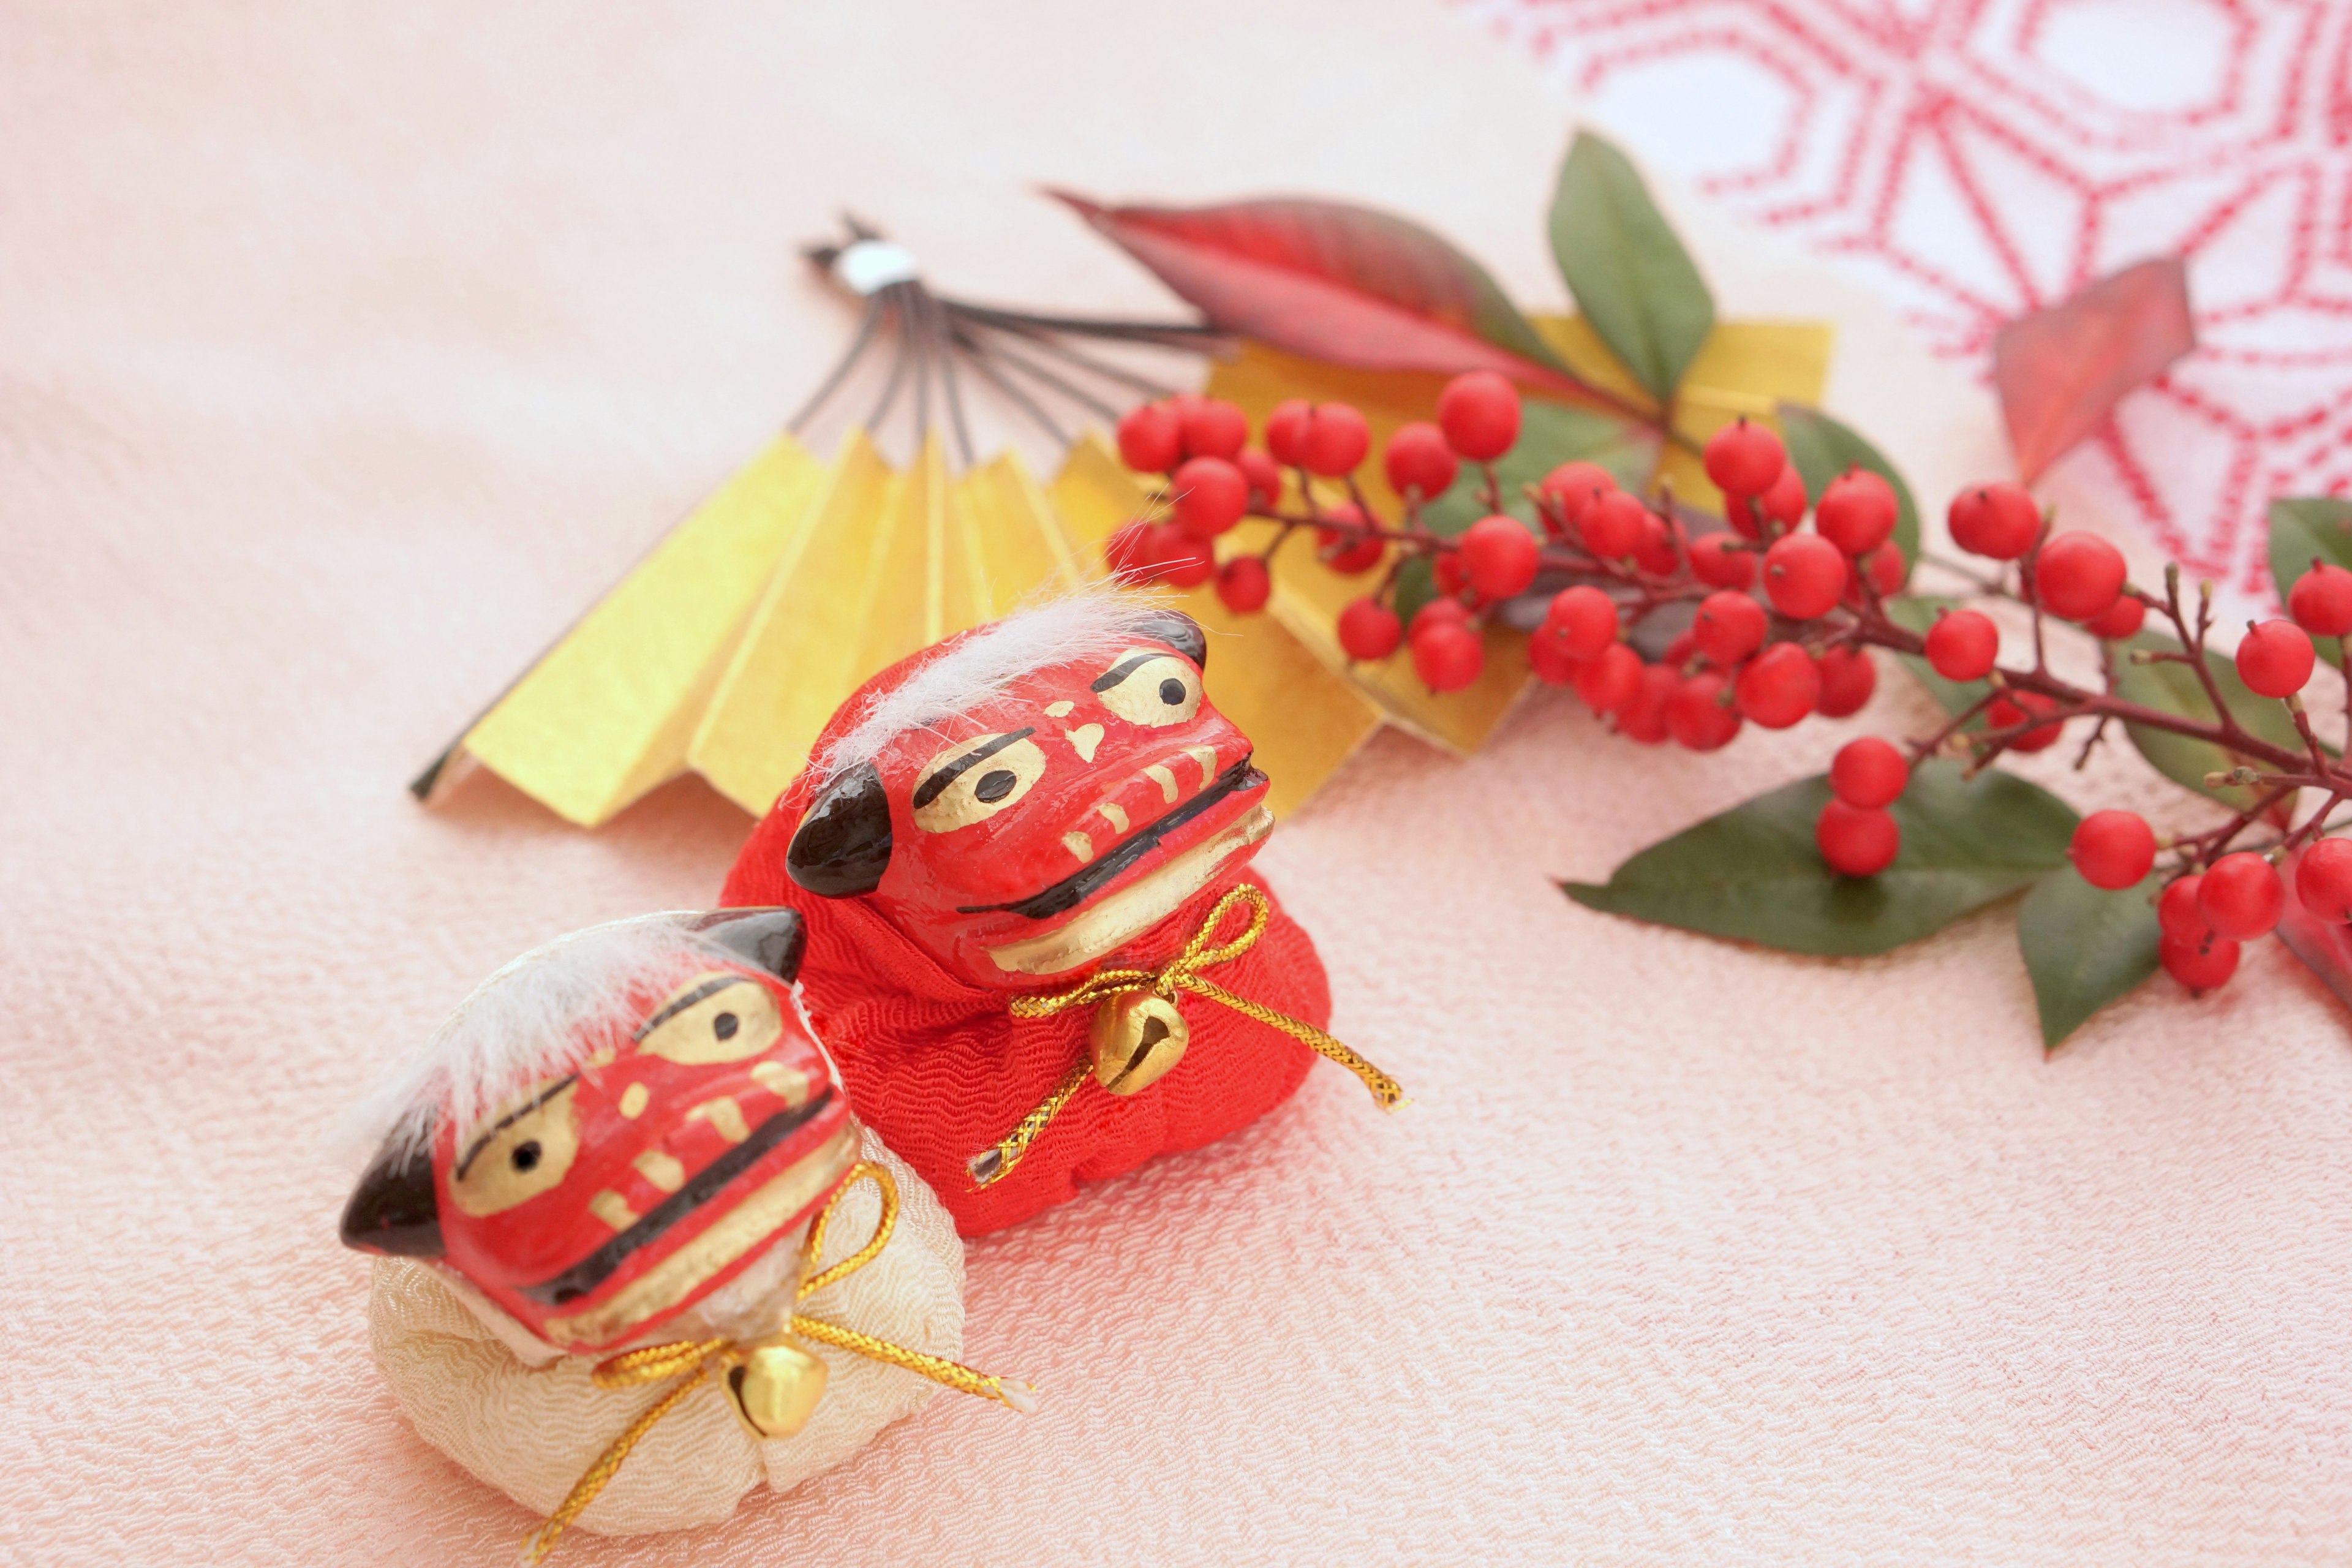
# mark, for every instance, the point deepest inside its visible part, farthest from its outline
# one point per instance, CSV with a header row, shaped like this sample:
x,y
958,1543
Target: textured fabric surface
x,y
347,351
941,1069
530,1431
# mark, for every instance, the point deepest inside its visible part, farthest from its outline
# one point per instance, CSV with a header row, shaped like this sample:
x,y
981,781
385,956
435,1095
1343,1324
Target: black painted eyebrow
x,y
1123,669
509,1120
671,1009
934,785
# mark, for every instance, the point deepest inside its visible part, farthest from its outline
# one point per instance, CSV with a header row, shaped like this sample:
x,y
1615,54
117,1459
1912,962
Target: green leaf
x,y
1550,434
2305,528
2173,688
1753,872
1916,613
2084,946
1823,448
1632,277
1416,585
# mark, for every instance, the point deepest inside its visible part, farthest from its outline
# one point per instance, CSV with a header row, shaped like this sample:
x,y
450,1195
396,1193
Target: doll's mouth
x,y
1092,878
584,1276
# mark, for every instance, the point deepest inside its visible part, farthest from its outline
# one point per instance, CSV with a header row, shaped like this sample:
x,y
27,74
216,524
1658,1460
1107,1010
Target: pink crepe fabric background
x,y
346,351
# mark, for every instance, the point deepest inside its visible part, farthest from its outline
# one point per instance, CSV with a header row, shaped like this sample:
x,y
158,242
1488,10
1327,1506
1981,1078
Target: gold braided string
x,y
1180,974
692,1362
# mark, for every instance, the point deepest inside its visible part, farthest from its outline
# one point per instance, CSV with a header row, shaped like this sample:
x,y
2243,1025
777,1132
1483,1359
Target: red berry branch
x,y
1784,616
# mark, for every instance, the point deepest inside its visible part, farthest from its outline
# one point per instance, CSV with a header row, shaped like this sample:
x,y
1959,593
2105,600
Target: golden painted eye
x,y
518,1153
1150,689
713,1017
973,780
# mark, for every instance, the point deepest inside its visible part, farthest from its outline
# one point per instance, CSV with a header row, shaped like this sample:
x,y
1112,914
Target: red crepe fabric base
x,y
941,1071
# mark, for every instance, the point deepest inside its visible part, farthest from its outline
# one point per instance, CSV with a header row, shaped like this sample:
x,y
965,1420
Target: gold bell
x,y
1137,1036
775,1387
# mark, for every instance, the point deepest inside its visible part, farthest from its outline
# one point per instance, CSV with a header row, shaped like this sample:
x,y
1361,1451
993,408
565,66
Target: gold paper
x,y
608,713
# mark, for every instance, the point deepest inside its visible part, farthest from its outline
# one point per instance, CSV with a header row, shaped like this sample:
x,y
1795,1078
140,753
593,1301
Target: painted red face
x,y
599,1203
1050,825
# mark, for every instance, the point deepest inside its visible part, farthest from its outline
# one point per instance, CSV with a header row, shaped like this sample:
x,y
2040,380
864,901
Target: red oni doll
x,y
1033,939
617,1165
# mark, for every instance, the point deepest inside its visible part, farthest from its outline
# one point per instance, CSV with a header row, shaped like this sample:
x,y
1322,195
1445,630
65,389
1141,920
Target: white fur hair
x,y
536,1018
1096,622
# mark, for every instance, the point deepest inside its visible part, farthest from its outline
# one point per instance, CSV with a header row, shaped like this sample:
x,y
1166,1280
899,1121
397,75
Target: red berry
x,y
1498,555
1963,645
1784,503
1245,584
2177,914
1286,431
1720,561
1743,460
1857,512
2275,659
1848,678
1885,568
2241,897
1337,439
1996,520
1857,841
1214,429
2113,849
1610,679
1644,720
1265,476
1728,628
1549,655
1342,543
1419,462
1612,524
1479,413
1438,611
1803,574
1368,629
2198,965
2123,618
1680,650
1177,556
1126,550
1584,619
2321,601
1744,517
2016,709
1778,687
2322,879
1696,715
1869,773
1151,438
1211,496
1659,553
1573,485
2078,576
1447,658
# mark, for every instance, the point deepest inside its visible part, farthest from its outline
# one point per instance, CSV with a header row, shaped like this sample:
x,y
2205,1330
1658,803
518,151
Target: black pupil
x,y
526,1155
725,1024
1171,692
995,785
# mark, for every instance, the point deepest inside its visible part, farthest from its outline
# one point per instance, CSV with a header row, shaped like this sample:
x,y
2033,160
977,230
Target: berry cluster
x,y
1781,618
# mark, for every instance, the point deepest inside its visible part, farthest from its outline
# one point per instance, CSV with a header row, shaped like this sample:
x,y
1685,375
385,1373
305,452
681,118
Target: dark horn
x,y
843,845
1179,631
769,938
393,1209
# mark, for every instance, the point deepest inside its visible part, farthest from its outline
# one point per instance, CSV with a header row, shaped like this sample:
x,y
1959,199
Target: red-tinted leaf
x,y
1334,282
2324,945
2060,372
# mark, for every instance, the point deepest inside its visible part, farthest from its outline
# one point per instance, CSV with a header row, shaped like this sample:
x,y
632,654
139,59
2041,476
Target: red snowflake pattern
x,y
1976,159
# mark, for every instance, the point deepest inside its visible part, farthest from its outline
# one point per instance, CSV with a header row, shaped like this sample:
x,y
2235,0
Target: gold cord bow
x,y
694,1360
1180,974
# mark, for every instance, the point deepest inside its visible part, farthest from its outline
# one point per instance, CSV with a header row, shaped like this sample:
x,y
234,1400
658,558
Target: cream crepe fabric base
x,y
531,1430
